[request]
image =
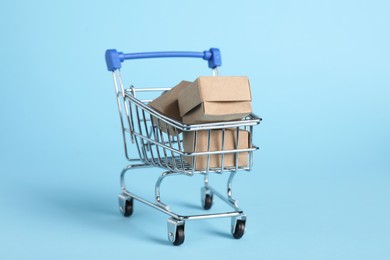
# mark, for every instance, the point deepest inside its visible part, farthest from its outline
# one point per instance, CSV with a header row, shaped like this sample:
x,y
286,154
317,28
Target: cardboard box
x,y
167,104
216,145
212,99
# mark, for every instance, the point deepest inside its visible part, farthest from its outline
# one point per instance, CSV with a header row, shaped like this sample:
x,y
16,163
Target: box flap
x,y
189,99
209,88
218,111
167,103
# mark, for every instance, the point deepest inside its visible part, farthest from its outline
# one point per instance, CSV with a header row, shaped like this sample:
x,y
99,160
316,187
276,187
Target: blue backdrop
x,y
319,72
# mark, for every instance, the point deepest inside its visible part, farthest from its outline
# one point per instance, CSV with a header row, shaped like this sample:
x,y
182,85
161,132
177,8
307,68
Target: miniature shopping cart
x,y
158,141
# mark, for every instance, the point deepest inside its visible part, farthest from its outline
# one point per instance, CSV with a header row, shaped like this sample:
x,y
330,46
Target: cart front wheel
x,y
208,201
127,209
179,238
239,229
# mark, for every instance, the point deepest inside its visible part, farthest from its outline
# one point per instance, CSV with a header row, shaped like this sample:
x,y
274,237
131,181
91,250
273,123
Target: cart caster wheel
x,y
239,230
179,238
127,208
208,201
176,231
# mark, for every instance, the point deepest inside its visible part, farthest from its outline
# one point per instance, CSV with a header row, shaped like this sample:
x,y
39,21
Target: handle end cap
x,y
215,59
113,60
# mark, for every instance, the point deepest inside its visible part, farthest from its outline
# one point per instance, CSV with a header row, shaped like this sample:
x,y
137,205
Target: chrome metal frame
x,y
159,142
125,194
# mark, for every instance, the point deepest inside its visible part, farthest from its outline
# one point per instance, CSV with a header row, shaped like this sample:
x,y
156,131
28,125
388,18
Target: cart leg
x,y
176,231
157,189
230,189
206,194
128,168
126,202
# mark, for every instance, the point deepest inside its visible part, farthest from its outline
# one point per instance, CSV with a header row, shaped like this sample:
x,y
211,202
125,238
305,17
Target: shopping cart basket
x,y
159,142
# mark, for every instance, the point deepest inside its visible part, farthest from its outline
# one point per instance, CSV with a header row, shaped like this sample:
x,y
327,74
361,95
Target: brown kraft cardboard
x,y
213,99
216,145
167,104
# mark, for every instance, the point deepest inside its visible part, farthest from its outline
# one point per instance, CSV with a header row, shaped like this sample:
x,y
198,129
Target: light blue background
x,y
320,79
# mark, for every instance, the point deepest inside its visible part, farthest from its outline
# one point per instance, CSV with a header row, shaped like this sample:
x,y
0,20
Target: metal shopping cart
x,y
159,142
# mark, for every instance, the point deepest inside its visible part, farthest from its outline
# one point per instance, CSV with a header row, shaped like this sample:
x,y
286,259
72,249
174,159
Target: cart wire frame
x,y
159,143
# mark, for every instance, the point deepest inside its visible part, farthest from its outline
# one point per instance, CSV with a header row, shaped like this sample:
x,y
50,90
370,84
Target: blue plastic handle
x,y
114,58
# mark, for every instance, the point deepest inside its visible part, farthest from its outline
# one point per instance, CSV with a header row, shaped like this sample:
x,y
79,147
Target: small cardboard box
x,y
216,145
212,99
167,104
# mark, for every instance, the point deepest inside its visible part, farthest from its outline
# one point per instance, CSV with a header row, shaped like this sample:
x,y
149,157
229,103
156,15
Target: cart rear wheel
x,y
179,238
239,230
208,201
127,209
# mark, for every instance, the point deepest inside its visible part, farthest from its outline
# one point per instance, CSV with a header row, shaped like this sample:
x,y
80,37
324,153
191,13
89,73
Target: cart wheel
x,y
179,238
127,209
208,201
239,230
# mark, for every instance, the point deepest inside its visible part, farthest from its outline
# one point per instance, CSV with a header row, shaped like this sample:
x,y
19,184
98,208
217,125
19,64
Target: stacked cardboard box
x,y
213,99
215,161
209,99
167,104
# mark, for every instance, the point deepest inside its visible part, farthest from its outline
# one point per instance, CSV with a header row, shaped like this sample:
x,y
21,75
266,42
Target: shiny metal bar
x,y
149,148
128,168
179,148
231,203
156,141
215,72
143,149
253,120
208,150
119,103
237,142
250,145
150,89
157,188
230,188
163,147
170,145
160,143
223,149
182,217
194,158
163,207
